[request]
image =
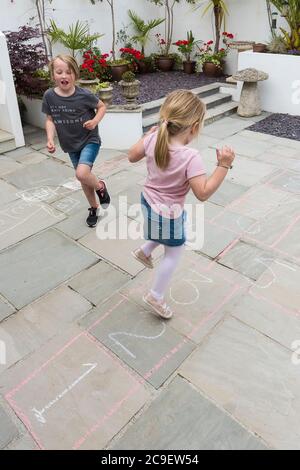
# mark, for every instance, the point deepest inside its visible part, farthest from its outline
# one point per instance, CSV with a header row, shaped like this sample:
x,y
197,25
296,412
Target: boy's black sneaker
x,y
92,217
103,196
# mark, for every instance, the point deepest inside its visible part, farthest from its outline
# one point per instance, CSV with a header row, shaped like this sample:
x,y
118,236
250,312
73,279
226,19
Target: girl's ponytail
x,y
161,151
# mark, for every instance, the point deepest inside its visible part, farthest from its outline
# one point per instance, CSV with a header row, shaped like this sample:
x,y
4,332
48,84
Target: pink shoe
x,y
139,255
159,306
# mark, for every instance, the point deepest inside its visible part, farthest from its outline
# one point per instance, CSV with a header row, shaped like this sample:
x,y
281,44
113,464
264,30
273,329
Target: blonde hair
x,y
69,60
182,109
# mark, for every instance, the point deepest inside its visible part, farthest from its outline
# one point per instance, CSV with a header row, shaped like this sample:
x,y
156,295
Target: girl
x,y
70,111
173,168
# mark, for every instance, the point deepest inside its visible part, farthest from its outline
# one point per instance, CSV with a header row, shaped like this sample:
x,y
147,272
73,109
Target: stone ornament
x,y
249,102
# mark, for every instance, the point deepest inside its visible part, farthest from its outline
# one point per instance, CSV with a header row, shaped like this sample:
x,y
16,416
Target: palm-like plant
x,y
142,29
76,39
290,9
220,10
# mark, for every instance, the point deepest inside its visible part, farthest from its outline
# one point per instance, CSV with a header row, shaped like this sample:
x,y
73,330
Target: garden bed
x,y
280,125
159,84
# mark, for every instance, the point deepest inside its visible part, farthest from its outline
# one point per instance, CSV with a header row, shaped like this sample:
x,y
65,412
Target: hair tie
x,y
165,121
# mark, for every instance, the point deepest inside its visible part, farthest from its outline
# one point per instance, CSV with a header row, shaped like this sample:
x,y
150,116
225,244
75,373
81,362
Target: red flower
x,y
230,36
210,42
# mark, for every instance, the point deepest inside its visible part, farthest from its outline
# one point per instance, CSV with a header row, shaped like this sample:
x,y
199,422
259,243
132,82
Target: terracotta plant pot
x,y
88,84
117,71
189,66
165,64
259,47
144,67
212,70
130,91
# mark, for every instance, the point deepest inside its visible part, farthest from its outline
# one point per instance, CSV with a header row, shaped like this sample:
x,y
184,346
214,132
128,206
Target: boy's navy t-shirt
x,y
68,114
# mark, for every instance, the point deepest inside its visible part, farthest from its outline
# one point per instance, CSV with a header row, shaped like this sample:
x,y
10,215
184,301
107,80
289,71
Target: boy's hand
x,y
90,125
50,146
225,156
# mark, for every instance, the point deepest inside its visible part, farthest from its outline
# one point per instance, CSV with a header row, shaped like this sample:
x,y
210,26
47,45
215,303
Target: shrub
x,y
26,58
128,77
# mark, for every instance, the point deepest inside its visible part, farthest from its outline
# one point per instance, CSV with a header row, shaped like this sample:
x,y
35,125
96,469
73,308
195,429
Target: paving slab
x,y
227,193
289,181
82,389
8,430
122,181
271,320
144,342
216,239
8,193
18,153
260,201
248,260
279,284
21,219
25,442
5,309
75,225
38,264
27,158
245,146
99,282
226,127
251,377
180,418
7,166
72,203
47,173
40,321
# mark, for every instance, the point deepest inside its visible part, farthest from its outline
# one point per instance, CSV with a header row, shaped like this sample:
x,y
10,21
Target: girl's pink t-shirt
x,y
170,186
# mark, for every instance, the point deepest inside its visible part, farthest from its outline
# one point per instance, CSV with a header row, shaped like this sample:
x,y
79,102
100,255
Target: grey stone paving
x,y
222,374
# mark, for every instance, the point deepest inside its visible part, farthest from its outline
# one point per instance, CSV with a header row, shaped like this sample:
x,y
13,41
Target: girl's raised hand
x,y
225,155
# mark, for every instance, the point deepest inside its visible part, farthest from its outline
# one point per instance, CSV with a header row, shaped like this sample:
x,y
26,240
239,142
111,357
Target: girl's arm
x,y
92,123
204,187
50,130
137,151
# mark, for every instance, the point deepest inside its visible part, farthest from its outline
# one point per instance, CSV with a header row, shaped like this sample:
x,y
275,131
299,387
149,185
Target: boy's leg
x,y
90,195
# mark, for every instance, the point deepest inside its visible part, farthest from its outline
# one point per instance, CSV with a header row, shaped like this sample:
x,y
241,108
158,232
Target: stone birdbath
x,y
249,101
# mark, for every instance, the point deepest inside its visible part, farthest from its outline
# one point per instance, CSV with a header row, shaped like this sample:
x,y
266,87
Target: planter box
x,y
119,129
34,115
281,92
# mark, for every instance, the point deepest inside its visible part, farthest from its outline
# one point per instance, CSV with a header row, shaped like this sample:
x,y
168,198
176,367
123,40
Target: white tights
x,y
166,267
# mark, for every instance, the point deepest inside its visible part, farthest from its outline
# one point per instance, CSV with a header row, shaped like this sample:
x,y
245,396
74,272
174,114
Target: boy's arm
x,y
92,123
50,130
137,151
204,187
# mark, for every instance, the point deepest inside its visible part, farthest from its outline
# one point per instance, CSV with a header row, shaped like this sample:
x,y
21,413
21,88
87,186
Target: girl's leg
x,y
165,270
148,247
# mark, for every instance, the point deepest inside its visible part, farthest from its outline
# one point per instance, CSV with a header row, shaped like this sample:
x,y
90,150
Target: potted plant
x,y
88,77
117,68
105,92
133,56
164,60
142,31
213,62
290,10
186,48
130,89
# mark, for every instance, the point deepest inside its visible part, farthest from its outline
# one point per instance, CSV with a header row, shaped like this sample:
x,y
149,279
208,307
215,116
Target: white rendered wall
x,y
281,92
9,110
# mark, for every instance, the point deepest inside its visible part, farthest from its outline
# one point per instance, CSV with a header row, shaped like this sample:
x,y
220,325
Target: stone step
x,y
203,91
212,114
7,142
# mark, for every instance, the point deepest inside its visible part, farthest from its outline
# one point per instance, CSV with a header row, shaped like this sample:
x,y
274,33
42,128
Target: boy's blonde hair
x,y
182,109
69,60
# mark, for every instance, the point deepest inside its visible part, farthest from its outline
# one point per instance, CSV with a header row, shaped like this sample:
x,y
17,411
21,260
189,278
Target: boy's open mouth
x,y
64,82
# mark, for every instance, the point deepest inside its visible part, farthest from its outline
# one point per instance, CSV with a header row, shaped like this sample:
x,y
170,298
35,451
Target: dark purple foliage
x,y
27,57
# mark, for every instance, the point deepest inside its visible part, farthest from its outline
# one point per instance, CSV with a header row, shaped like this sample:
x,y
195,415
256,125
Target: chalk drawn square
x,y
84,396
148,345
198,294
